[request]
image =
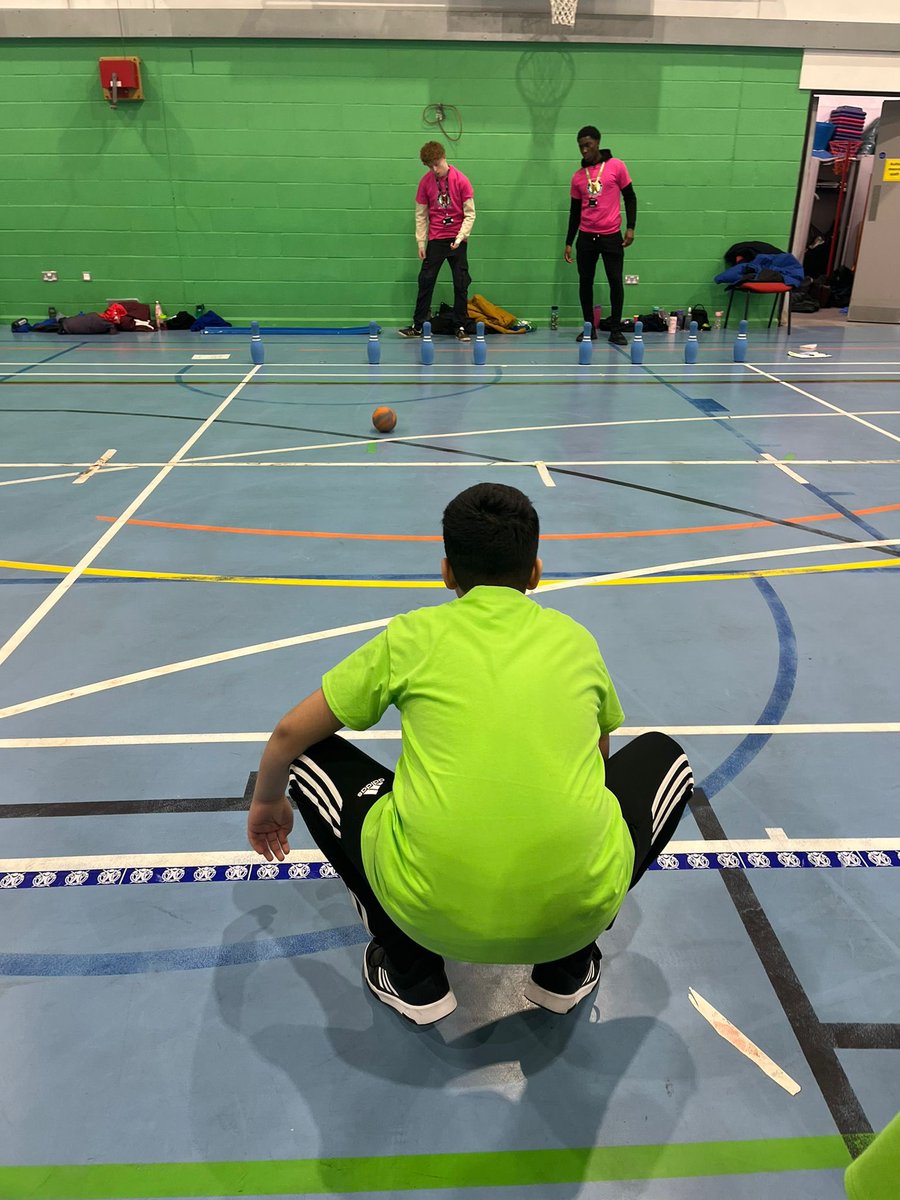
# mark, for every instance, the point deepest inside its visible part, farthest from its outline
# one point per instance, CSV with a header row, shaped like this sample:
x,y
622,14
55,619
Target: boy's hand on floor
x,y
268,828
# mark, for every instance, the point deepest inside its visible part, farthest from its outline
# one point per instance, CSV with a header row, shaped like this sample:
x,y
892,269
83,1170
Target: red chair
x,y
777,290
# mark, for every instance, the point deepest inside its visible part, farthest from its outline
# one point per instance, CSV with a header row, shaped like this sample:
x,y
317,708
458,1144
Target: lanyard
x,y
594,185
443,193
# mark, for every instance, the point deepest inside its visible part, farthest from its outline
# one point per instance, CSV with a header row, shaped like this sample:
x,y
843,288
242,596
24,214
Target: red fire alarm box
x,y
120,79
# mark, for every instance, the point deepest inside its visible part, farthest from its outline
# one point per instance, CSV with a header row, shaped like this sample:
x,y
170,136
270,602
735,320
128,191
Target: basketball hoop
x,y
562,12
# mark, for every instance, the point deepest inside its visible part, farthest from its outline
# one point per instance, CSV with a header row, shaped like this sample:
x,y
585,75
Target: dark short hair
x,y
588,131
491,534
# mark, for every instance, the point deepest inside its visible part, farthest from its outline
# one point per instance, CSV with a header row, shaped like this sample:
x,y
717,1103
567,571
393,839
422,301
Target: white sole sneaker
x,y
563,1002
379,984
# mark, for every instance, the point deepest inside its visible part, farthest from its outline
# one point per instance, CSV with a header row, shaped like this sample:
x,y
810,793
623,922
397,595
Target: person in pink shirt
x,y
598,189
445,214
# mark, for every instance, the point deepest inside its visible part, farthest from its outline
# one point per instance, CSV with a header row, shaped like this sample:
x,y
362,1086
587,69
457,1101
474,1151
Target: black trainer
x,y
422,1003
462,336
552,987
618,338
410,331
580,337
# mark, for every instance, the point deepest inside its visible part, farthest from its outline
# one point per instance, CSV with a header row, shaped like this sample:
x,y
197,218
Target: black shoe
x,y
410,331
618,338
580,337
422,1003
556,989
462,336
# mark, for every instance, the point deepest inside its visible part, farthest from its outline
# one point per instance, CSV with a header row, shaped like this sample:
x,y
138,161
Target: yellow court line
x,y
269,581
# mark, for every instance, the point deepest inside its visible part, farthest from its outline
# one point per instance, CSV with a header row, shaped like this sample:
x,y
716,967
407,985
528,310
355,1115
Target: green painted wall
x,y
276,179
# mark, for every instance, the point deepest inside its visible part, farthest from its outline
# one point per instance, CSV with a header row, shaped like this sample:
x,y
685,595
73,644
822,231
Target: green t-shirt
x,y
499,842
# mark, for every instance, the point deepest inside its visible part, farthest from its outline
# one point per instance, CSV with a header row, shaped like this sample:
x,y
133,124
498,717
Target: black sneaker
x,y
618,338
553,987
462,336
410,331
580,337
422,1003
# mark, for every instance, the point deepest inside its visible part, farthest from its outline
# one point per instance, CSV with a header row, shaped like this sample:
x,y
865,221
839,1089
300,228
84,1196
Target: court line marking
x,y
386,583
826,403
181,363
38,478
826,728
248,857
725,1029
49,602
545,537
320,635
584,377
770,458
335,445
395,1174
94,467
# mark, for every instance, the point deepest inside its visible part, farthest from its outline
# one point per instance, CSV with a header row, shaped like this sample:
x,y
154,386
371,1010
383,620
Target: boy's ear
x,y
535,577
447,575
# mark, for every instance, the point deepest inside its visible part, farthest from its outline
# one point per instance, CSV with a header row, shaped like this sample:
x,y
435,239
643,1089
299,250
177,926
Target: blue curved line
x,y
776,705
191,387
195,958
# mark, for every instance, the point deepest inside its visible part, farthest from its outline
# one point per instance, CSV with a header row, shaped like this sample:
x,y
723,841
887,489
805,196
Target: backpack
x,y
701,316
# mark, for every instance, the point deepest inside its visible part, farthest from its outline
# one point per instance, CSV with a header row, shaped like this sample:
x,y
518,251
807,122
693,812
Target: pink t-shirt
x,y
445,198
601,210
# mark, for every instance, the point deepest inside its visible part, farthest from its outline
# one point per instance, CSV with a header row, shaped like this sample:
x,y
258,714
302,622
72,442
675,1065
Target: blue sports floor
x,y
175,1024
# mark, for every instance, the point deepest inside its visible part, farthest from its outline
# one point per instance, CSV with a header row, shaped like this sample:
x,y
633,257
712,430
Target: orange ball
x,y
384,419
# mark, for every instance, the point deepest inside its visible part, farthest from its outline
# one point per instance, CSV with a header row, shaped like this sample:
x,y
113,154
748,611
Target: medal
x,y
594,186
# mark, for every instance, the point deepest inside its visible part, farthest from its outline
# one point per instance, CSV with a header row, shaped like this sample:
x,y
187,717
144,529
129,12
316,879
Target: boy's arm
x,y
271,816
604,747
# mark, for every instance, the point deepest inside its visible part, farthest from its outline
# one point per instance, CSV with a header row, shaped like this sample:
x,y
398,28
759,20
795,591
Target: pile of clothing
x,y
849,123
760,262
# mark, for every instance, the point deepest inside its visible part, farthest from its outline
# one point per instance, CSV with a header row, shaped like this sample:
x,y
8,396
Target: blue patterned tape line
x,y
730,860
758,860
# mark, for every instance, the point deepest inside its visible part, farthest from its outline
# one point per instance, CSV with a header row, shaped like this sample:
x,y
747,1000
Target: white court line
x,y
261,647
38,478
94,467
675,366
829,729
354,464
742,1043
770,458
391,374
543,474
200,460
50,601
200,858
827,404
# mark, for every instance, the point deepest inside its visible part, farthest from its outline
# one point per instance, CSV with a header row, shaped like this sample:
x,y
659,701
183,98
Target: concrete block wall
x,y
276,180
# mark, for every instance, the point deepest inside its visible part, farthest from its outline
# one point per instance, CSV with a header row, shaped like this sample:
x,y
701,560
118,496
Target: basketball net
x,y
562,12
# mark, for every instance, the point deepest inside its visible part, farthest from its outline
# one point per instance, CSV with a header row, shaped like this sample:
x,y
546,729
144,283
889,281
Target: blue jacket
x,y
746,272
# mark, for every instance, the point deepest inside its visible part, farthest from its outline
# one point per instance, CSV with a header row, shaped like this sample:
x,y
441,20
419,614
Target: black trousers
x,y
608,246
437,252
334,784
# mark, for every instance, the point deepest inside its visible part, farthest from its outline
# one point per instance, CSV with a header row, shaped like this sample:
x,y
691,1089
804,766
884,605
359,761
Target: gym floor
x,y
188,543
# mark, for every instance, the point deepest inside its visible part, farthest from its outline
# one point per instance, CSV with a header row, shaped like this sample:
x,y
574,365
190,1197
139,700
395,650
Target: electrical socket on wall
x,y
632,279
86,276
49,276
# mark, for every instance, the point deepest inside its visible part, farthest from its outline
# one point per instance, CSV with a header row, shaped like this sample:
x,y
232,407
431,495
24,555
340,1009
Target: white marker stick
x,y
730,1033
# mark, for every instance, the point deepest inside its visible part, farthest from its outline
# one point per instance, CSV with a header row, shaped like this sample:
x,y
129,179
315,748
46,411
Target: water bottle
x,y
554,317
673,323
717,321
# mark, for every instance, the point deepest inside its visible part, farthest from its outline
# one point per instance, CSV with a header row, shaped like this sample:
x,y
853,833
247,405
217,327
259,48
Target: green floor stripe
x,y
403,1173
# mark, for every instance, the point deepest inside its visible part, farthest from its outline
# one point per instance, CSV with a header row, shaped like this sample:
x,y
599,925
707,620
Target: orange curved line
x,y
545,537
